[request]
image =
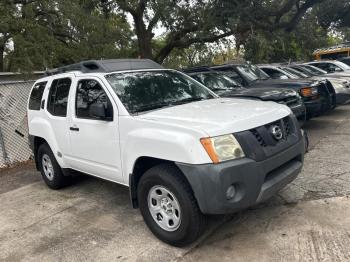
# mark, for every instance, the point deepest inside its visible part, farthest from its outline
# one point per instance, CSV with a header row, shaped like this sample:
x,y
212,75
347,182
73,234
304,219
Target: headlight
x,y
222,148
338,84
309,91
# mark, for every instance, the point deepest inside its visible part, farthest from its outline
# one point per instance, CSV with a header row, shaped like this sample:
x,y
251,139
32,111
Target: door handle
x,y
42,104
74,128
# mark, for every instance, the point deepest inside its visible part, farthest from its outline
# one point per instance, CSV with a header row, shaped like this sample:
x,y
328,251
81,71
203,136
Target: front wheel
x,y
168,206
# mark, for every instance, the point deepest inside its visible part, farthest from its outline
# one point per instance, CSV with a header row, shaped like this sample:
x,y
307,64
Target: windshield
x,y
252,72
149,90
303,70
342,65
216,81
314,69
296,72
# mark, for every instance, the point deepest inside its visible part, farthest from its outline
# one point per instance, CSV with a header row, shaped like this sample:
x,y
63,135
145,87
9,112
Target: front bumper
x,y
299,110
343,98
254,181
314,107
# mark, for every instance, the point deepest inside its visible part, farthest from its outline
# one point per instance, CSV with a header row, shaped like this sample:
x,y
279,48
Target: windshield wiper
x,y
189,100
161,105
150,107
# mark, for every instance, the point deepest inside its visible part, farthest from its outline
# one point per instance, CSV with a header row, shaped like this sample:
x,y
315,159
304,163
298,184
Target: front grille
x,y
327,92
289,101
264,134
287,127
258,137
260,143
330,87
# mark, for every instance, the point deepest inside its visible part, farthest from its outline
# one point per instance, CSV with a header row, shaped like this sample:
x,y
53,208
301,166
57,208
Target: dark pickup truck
x,y
224,86
318,95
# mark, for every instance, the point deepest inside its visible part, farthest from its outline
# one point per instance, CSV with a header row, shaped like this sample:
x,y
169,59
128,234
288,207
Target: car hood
x,y
286,83
339,74
219,116
263,93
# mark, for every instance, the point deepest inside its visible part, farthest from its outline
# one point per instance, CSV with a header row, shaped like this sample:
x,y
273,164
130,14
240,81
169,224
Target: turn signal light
x,y
306,92
208,145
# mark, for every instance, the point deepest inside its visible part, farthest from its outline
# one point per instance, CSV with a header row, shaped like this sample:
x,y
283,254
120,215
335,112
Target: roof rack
x,y
107,66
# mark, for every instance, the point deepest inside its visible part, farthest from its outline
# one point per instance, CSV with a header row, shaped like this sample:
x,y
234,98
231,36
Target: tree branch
x,y
123,5
184,43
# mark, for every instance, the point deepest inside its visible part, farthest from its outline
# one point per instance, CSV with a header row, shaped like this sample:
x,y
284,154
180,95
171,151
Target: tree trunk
x,y
2,52
144,38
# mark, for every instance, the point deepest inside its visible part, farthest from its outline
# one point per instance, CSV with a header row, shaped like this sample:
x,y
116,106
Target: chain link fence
x,y
14,146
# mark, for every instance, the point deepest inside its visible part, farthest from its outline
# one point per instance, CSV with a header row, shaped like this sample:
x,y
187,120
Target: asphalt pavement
x,y
92,220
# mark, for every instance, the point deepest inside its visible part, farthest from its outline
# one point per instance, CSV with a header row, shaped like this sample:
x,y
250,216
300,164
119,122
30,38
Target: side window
x,y
275,74
58,97
90,92
233,75
326,66
36,96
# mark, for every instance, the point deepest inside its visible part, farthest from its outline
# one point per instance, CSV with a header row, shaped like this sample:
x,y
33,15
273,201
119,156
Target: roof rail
x,y
197,69
107,66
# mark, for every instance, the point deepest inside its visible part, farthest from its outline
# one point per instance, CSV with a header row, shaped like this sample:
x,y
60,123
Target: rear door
x,y
56,110
94,142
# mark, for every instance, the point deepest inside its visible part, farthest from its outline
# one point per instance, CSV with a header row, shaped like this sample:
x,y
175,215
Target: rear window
x,y
58,97
36,96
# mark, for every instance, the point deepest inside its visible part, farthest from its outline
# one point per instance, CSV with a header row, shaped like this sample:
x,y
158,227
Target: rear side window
x,y
58,97
36,96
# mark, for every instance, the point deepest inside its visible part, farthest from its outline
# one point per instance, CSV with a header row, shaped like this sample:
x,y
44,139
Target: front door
x,y
94,140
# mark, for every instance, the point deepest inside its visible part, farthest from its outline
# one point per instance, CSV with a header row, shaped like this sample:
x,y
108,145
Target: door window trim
x,y
48,96
78,80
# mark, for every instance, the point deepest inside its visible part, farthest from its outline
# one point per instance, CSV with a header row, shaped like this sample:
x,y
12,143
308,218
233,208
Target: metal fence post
x,y
3,149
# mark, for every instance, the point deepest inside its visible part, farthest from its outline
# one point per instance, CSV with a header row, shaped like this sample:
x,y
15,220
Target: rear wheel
x,y
168,206
49,168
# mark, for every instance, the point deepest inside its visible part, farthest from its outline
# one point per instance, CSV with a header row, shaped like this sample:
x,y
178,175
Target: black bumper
x,y
254,181
299,111
343,98
314,107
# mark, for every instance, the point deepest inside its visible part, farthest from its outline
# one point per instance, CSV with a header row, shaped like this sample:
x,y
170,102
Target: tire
x,y
49,168
187,221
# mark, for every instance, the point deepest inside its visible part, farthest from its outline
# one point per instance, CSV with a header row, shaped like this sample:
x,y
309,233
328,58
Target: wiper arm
x,y
150,107
188,100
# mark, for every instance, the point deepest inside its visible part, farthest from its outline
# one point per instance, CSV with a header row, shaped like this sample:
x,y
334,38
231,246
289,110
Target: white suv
x,y
183,151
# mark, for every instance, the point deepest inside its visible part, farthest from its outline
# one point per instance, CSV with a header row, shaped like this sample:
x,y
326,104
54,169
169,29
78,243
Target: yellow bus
x,y
333,52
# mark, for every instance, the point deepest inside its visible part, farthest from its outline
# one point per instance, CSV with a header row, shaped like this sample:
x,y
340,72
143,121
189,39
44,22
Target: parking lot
x,y
93,220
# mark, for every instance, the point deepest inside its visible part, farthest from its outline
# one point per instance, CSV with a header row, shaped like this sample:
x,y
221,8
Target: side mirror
x,y
98,111
284,77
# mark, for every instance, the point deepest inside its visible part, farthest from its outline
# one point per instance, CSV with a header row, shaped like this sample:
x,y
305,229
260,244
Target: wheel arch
x,y
142,164
37,142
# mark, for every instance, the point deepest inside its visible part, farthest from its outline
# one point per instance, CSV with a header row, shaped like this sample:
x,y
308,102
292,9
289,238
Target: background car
x,y
318,96
224,86
332,66
340,85
345,60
